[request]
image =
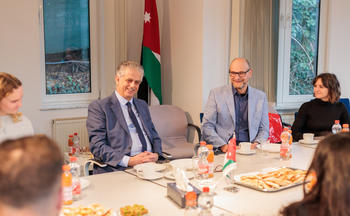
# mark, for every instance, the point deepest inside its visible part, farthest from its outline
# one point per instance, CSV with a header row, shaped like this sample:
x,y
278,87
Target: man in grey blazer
x,y
236,108
121,131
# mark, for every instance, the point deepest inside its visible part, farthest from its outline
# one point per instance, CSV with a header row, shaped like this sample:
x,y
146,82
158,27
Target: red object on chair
x,y
275,127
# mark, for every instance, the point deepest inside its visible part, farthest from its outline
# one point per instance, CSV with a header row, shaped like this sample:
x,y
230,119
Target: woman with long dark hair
x,y
330,195
318,115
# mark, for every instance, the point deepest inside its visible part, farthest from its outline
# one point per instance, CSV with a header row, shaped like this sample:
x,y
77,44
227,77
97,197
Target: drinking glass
x,y
195,160
263,145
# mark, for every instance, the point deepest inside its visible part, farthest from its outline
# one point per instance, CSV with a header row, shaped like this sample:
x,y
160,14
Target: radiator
x,y
62,128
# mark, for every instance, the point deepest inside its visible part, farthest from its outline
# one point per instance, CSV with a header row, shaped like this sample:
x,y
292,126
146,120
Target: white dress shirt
x,y
136,147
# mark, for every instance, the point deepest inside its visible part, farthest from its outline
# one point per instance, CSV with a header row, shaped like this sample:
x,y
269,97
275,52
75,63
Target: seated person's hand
x,y
224,148
254,145
143,157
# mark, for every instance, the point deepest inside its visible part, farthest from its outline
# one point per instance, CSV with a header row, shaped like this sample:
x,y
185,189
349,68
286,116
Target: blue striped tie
x,y
138,128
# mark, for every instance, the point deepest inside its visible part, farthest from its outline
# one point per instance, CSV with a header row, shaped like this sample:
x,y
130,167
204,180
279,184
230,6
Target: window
x,y
301,50
68,71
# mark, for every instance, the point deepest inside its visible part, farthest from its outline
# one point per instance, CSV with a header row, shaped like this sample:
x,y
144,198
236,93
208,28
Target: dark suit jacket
x,y
109,135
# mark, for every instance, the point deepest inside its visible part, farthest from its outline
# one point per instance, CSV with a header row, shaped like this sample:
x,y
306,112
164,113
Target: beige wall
x,y
194,37
338,43
20,55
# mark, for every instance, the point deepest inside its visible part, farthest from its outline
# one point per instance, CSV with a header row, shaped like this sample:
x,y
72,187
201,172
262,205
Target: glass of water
x,y
263,147
195,160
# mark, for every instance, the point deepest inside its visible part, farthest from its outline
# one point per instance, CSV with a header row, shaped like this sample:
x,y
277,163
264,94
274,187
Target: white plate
x,y
84,183
155,166
156,175
272,147
170,175
308,142
252,151
184,164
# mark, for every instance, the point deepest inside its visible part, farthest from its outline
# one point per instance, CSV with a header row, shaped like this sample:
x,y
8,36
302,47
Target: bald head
x,y
240,61
240,73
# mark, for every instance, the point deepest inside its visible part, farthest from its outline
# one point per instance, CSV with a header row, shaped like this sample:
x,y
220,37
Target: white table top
x,y
117,189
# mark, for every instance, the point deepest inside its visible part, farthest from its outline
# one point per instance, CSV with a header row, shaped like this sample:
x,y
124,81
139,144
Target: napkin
x,y
181,180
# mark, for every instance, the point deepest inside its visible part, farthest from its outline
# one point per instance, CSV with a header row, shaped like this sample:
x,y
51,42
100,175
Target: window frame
x,y
78,100
284,101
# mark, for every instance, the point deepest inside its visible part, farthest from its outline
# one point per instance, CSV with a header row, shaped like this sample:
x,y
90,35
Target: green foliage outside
x,y
304,46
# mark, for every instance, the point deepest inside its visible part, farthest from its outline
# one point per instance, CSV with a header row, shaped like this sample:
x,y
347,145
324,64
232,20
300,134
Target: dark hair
x,y
331,193
331,82
30,167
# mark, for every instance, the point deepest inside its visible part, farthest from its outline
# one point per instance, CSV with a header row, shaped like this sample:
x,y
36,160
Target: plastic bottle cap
x,y
66,167
202,143
191,195
73,159
210,147
71,136
206,189
75,134
337,121
285,129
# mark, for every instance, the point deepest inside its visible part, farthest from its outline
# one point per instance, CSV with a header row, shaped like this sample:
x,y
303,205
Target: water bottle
x,y
202,148
285,147
336,128
203,165
71,151
205,202
210,160
76,142
76,184
67,198
191,204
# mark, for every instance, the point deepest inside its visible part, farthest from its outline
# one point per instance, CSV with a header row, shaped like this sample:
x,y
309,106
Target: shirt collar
x,y
121,99
235,92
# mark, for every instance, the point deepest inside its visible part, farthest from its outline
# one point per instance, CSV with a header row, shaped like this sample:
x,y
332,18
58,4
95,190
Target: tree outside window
x,y
67,46
304,46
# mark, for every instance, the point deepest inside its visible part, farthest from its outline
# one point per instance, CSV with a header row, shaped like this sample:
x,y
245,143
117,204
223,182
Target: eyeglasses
x,y
240,74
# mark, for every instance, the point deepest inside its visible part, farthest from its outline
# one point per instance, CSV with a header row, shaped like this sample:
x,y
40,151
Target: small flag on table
x,y
230,157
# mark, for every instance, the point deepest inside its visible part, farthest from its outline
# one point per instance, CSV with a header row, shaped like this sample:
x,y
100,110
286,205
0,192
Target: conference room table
x,y
117,189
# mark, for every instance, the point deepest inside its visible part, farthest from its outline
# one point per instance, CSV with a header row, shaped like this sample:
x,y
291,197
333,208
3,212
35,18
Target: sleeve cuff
x,y
125,161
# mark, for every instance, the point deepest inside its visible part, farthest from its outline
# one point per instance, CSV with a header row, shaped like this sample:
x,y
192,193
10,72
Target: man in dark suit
x,y
121,132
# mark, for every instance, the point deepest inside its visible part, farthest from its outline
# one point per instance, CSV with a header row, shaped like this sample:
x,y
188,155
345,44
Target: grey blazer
x,y
219,116
109,135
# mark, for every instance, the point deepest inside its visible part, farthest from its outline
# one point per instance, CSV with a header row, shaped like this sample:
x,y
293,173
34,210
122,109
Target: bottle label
x,y
203,169
67,193
77,188
285,153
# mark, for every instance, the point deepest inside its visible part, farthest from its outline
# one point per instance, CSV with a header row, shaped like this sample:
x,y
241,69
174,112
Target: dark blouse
x,y
317,116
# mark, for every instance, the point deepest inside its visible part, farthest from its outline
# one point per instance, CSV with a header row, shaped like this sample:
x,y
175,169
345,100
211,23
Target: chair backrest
x,y
169,120
346,102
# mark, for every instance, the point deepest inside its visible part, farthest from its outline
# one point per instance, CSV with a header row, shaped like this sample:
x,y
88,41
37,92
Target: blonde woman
x,y
12,123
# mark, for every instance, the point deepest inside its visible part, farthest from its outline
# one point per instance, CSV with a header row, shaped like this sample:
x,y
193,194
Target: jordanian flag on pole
x,y
151,49
230,157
